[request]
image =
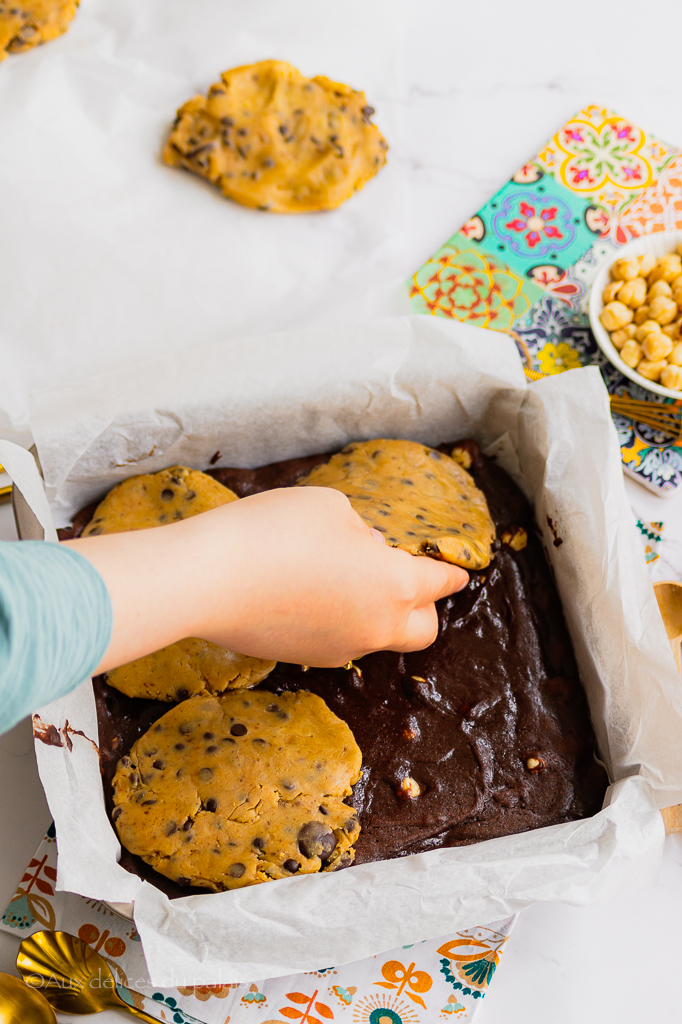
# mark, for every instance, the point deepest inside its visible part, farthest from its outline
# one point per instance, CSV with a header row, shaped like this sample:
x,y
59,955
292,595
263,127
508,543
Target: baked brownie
x,y
486,733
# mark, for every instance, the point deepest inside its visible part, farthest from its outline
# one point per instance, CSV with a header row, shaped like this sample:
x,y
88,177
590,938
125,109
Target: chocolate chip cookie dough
x,y
191,666
224,792
272,139
420,499
28,23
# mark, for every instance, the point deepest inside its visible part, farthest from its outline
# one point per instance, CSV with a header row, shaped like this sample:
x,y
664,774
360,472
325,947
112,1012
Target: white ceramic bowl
x,y
658,245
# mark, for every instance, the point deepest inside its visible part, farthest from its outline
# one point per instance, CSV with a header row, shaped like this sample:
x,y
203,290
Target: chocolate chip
x,y
125,762
316,840
291,865
212,749
171,827
179,773
333,138
211,804
179,746
95,532
167,494
185,727
468,526
273,708
241,131
259,843
227,121
238,730
288,784
260,742
182,694
237,870
183,880
228,739
205,774
322,809
368,111
351,824
242,152
268,162
282,715
148,803
134,779
158,728
283,130
187,826
209,735
116,813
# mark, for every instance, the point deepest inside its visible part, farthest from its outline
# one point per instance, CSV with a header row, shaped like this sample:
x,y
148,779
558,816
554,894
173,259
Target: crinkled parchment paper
x,y
291,394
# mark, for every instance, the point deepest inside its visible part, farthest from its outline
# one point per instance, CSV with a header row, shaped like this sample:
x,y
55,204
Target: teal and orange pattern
x,y
440,979
525,262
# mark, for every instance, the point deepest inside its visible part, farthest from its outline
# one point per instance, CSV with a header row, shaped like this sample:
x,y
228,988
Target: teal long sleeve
x,y
55,625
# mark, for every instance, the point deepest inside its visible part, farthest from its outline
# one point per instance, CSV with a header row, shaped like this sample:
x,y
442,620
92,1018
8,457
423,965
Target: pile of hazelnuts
x,y
643,314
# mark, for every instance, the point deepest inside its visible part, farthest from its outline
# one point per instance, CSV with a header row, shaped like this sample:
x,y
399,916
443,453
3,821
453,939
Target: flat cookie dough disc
x,y
224,792
191,666
153,499
28,23
272,139
421,500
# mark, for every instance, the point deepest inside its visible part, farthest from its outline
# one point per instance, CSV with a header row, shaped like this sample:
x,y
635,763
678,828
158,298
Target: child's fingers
x,y
420,630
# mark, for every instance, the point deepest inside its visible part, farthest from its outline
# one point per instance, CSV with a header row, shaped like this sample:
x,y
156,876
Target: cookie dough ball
x,y
28,23
633,293
631,353
421,500
224,792
662,309
615,315
657,346
625,269
271,139
191,666
671,377
651,369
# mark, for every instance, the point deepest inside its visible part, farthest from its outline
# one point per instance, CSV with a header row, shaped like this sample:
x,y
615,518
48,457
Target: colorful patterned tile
x,y
465,282
553,338
658,208
539,224
525,262
600,155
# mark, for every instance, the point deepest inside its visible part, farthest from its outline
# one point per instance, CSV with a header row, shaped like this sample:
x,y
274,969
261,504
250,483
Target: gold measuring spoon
x,y
669,597
20,1004
71,975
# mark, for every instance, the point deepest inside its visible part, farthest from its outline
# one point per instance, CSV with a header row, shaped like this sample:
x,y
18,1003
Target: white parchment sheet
x,y
108,254
292,394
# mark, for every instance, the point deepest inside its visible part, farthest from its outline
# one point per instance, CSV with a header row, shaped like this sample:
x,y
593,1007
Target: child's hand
x,y
292,575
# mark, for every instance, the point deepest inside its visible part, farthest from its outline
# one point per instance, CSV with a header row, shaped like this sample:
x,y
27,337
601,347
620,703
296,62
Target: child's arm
x,y
291,575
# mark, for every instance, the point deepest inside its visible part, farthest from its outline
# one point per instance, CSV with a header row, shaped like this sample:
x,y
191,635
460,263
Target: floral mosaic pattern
x,y
600,154
658,208
538,223
468,284
402,986
525,262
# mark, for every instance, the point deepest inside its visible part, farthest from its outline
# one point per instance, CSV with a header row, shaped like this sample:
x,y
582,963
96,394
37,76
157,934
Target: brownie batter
x,y
486,733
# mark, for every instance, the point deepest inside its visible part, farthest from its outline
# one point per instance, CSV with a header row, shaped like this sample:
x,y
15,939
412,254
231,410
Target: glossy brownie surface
x,y
490,722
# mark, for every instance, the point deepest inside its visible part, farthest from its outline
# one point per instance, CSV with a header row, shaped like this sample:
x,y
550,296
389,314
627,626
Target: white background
x,y
109,256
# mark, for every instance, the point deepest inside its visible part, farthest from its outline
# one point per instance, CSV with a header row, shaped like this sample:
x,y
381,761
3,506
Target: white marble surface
x,y
468,92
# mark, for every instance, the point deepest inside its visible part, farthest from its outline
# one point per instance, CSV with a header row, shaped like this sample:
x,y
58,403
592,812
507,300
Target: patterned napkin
x,y
525,262
440,979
